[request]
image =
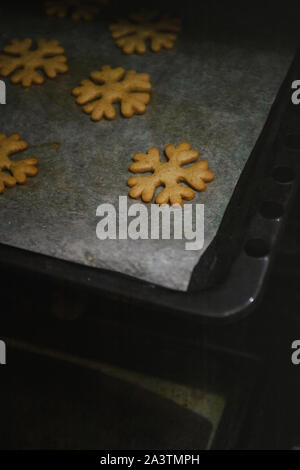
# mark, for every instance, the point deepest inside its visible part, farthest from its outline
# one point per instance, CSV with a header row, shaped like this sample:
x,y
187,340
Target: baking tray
x,y
230,274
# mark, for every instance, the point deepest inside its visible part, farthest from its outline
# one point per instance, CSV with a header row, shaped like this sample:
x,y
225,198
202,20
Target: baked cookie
x,y
12,172
23,64
108,86
77,9
168,174
133,35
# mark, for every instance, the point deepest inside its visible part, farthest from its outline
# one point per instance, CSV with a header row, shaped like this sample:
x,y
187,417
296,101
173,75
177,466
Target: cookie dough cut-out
x,y
78,9
24,64
12,172
130,89
169,174
132,36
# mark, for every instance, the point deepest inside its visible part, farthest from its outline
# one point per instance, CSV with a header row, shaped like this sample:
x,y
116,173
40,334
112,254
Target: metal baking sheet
x,y
214,94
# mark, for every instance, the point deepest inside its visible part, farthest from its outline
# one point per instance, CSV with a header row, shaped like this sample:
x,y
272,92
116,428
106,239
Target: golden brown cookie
x,y
130,89
11,172
23,64
78,9
132,36
168,174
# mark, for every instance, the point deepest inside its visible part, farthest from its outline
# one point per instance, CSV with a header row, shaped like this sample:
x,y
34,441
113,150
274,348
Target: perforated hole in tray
x,y
292,141
271,209
283,174
257,248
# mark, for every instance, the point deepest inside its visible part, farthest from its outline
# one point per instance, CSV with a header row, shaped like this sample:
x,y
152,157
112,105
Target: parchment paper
x,y
212,93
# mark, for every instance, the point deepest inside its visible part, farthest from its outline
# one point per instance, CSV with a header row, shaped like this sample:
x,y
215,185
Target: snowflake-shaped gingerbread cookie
x,y
78,9
132,35
12,172
169,174
23,64
108,86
